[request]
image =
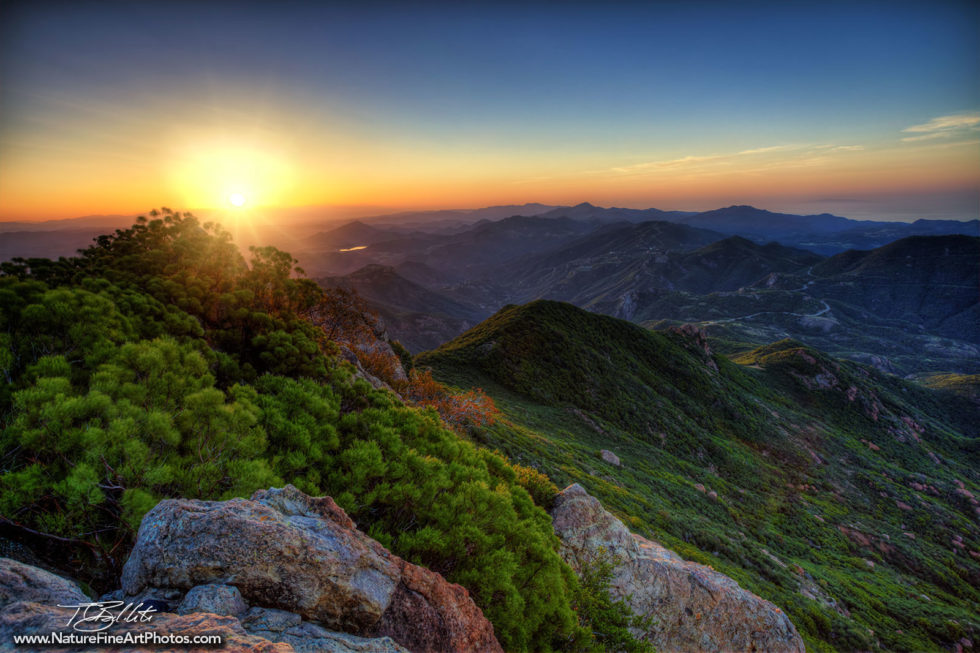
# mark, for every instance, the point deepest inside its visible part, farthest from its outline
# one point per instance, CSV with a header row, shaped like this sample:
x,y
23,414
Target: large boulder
x,y
20,582
693,608
286,550
283,549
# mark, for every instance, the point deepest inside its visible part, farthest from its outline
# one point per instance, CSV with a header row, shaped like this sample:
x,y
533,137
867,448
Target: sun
x,y
237,199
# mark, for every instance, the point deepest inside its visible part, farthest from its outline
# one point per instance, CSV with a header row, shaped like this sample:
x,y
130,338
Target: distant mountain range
x,y
318,237
103,222
823,233
910,307
452,218
902,296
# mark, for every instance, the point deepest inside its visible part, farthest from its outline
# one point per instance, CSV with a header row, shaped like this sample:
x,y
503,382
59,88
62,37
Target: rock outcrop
x,y
288,551
693,607
217,599
695,339
20,582
305,637
610,457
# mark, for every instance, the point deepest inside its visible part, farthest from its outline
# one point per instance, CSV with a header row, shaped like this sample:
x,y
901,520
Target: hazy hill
x,y
421,273
875,234
352,234
759,223
841,494
496,243
620,269
106,223
46,244
586,211
384,285
448,218
824,233
461,255
910,307
417,317
928,281
735,262
595,264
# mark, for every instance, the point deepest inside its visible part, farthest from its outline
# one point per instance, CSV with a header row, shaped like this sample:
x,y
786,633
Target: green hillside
x,y
843,495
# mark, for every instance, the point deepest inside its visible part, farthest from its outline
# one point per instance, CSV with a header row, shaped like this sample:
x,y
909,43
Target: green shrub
x,y
609,621
160,364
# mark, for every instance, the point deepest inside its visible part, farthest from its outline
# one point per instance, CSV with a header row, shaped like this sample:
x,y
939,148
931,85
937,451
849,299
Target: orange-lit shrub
x,y
379,362
457,409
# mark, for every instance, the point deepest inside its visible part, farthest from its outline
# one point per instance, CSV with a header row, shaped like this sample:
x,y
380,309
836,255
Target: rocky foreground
x,y
285,572
693,607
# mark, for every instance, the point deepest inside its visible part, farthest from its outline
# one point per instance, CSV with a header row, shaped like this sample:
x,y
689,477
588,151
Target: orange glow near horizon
x,y
207,172
109,111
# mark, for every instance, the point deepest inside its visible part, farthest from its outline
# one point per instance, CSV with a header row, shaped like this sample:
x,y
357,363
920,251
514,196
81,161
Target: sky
x,y
865,109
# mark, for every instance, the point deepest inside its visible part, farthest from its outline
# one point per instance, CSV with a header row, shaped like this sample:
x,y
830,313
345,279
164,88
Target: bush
x,y
607,620
161,364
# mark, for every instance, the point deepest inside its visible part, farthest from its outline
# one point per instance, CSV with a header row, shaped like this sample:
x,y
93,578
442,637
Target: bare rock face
x,y
696,339
693,607
610,457
286,550
20,582
306,637
431,615
216,599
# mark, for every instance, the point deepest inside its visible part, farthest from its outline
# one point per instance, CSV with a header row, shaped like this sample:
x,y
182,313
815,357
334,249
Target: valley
x,y
908,307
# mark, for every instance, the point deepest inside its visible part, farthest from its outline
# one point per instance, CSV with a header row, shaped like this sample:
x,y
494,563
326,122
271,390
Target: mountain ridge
x,y
803,477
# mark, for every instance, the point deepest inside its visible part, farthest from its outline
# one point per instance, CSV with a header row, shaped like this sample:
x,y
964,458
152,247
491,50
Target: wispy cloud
x,y
927,137
943,127
668,164
771,148
795,155
756,160
955,121
823,149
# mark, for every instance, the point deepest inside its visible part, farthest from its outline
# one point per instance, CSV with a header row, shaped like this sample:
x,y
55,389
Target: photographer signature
x,y
100,615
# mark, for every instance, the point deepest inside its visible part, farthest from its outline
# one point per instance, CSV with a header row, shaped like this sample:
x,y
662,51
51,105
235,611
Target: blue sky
x,y
465,92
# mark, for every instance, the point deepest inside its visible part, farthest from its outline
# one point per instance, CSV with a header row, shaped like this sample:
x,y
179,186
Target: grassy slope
x,y
808,513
